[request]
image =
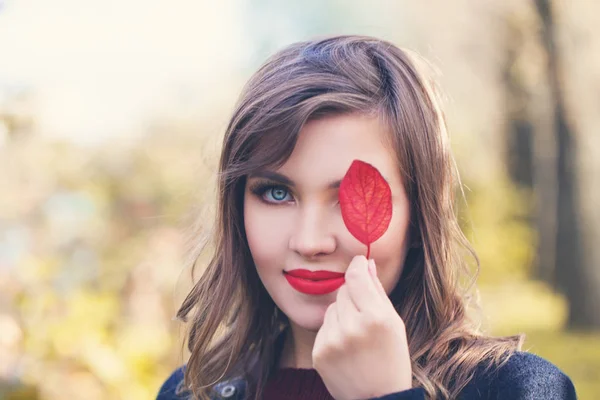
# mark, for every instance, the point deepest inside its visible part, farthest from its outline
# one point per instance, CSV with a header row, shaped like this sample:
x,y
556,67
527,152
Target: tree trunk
x,y
519,130
574,273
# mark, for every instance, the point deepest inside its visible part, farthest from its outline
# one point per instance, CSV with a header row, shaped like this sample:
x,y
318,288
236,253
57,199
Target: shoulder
x,y
523,376
170,388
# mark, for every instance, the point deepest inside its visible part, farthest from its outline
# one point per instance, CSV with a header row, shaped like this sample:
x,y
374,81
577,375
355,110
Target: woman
x,y
266,323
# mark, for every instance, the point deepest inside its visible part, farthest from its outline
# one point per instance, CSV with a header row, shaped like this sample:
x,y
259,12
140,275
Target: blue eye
x,y
278,193
270,193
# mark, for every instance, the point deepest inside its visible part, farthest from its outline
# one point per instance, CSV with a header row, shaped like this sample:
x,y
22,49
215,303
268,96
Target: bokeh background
x,y
111,115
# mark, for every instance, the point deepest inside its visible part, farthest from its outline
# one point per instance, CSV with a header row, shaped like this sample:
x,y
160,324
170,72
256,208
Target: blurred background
x,y
111,116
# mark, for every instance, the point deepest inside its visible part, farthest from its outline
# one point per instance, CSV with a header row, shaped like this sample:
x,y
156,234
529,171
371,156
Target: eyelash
x,y
259,189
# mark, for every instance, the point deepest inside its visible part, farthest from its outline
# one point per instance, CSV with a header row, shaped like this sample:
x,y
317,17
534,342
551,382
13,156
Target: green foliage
x,y
91,293
496,219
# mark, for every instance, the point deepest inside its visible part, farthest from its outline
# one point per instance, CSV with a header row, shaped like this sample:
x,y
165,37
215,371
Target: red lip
x,y
314,275
314,282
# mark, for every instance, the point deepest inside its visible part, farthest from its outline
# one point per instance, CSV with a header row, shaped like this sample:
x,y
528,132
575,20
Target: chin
x,y
309,318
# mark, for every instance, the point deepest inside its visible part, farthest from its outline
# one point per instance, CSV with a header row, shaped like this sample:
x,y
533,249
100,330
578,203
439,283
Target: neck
x,y
297,348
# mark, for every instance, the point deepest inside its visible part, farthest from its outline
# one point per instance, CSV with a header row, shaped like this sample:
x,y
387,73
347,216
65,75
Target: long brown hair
x,y
234,320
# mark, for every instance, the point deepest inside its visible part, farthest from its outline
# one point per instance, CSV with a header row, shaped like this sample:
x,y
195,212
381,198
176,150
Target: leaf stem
x,y
368,250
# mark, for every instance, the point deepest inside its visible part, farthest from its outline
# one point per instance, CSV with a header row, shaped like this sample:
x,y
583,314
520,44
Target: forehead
x,y
327,146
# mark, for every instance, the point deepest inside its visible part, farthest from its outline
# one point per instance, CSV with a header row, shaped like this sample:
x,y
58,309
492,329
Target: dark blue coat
x,y
524,377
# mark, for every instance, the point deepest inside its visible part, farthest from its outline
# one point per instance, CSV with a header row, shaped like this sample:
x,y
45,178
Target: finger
x,y
332,329
361,287
376,281
329,322
346,310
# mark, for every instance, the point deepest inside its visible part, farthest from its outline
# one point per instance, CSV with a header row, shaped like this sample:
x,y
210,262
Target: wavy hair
x,y
234,322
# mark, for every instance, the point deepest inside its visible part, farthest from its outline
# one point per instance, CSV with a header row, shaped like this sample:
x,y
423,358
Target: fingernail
x,y
372,268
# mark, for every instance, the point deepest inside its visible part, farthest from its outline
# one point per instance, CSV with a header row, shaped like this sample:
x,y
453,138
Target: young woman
x,y
266,320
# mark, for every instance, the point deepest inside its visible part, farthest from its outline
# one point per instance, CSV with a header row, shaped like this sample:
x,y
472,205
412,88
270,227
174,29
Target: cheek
x,y
390,250
266,234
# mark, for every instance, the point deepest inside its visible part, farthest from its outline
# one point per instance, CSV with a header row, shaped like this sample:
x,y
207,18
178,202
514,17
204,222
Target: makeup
x,y
314,282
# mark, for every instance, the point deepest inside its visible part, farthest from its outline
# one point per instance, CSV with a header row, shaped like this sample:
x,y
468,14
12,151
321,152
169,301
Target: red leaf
x,y
366,202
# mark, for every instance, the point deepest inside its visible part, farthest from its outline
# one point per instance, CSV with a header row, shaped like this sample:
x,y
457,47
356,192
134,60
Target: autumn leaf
x,y
366,203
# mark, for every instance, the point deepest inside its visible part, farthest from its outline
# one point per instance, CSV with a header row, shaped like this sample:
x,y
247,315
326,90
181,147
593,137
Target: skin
x,y
301,226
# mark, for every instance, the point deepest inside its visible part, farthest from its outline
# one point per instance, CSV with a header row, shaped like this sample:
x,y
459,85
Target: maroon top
x,y
296,384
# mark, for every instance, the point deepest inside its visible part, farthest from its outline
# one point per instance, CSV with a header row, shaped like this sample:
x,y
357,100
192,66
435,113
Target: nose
x,y
313,235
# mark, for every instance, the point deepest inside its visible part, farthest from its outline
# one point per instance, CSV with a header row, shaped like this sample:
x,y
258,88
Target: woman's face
x,y
293,220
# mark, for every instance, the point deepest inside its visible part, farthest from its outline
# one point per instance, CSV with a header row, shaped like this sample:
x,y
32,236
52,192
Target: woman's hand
x,y
361,350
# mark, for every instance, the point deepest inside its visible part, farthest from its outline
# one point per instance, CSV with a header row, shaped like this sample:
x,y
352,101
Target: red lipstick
x,y
314,282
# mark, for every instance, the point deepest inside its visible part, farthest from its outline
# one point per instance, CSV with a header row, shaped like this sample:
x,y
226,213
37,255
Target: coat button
x,y
228,391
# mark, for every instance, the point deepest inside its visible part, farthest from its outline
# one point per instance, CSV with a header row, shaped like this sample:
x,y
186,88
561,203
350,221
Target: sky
x,y
98,69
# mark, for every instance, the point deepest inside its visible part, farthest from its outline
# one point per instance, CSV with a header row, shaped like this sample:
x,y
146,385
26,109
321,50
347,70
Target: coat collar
x,y
236,388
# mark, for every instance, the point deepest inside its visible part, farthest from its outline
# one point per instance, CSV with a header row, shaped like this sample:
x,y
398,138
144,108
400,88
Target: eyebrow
x,y
284,180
